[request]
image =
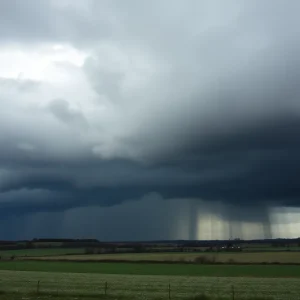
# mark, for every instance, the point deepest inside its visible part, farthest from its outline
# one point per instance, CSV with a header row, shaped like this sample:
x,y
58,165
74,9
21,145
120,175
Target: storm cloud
x,y
106,102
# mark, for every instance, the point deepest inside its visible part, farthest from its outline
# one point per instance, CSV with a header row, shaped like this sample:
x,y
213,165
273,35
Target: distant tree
x,y
100,251
29,245
89,251
113,249
138,248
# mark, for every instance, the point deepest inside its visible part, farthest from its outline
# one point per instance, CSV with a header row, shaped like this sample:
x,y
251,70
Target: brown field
x,y
240,257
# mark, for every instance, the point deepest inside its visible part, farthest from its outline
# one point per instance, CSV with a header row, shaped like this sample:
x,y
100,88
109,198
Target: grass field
x,y
262,271
270,249
223,257
79,279
144,287
41,252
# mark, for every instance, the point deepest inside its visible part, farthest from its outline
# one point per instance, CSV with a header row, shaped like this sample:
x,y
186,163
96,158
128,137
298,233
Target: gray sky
x,y
104,103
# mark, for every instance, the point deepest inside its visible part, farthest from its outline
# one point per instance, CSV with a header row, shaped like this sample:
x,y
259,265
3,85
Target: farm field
x,y
129,276
80,286
271,249
221,257
41,252
262,271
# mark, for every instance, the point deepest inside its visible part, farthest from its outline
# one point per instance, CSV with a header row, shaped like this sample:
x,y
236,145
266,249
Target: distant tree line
x,y
96,246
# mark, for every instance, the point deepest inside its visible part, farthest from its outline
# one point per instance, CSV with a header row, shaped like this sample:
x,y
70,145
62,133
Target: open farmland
x,y
220,257
263,271
146,287
37,252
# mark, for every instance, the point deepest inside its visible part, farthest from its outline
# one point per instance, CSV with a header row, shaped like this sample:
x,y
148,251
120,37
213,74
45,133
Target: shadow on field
x,y
202,260
45,295
206,297
60,295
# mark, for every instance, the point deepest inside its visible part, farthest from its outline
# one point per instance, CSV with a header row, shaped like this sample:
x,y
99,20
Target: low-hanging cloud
x,y
188,100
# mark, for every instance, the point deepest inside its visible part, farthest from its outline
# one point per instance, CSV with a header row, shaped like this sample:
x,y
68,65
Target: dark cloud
x,y
62,111
149,218
117,100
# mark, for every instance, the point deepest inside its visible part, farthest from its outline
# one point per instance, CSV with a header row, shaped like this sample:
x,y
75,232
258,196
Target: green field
x,y
271,249
207,257
263,271
41,252
144,287
45,278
